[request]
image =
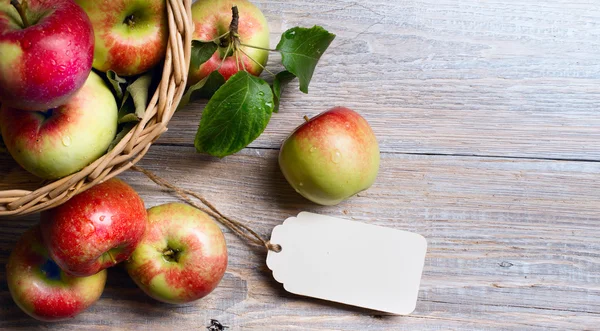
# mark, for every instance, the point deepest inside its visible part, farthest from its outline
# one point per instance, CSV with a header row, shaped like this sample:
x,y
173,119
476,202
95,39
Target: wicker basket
x,y
137,142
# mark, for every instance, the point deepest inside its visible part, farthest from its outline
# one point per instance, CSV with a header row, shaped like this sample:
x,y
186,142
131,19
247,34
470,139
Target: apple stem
x,y
21,10
235,20
130,21
112,258
306,118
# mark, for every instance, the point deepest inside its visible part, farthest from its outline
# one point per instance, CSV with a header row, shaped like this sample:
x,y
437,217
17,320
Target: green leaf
x,y
124,131
204,89
236,115
301,49
281,78
138,90
201,52
116,81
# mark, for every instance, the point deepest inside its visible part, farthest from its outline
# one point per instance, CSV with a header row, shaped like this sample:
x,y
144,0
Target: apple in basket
x,y
60,141
46,50
95,229
182,257
331,157
41,289
212,19
131,35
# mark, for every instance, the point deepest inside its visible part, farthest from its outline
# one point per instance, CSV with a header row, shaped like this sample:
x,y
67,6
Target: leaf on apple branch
x,y
204,89
115,82
281,78
240,109
301,49
235,116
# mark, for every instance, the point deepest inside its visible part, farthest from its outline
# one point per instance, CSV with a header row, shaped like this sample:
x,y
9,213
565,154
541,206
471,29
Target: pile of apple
x,y
174,252
58,115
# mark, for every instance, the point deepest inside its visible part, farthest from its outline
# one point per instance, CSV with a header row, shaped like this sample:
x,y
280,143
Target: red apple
x,y
65,139
96,229
331,157
41,289
45,60
131,35
212,19
182,257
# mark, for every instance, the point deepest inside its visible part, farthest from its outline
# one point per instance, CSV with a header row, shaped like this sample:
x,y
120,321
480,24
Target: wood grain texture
x,y
470,77
487,117
513,244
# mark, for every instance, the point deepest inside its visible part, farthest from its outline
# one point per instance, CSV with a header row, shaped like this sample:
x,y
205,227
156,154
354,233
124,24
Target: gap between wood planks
x,y
482,156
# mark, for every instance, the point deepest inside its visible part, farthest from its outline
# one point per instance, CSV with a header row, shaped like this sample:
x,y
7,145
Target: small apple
x,y
212,19
96,229
62,140
41,289
131,35
182,257
46,50
331,157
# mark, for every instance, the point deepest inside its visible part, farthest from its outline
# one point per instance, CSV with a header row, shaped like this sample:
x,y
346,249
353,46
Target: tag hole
x,y
276,248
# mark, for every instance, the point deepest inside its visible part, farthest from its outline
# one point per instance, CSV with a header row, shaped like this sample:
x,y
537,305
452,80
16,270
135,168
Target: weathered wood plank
x,y
513,244
501,78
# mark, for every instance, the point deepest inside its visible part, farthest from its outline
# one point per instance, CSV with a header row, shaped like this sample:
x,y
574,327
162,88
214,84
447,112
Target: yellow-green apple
x,y
212,19
331,157
46,50
96,229
131,35
62,140
182,257
41,289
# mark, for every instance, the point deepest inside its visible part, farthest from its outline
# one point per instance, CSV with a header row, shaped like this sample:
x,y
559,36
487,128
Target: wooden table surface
x,y
487,115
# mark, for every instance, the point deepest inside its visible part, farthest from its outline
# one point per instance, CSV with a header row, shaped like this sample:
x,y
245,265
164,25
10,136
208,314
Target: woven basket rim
x,y
137,141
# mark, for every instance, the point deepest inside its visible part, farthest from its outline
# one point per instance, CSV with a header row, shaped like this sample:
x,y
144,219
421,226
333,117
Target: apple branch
x,y
21,10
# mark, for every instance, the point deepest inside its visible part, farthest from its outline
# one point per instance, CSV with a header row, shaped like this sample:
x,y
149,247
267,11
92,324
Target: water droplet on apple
x,y
53,62
66,140
301,184
336,156
312,149
102,218
61,68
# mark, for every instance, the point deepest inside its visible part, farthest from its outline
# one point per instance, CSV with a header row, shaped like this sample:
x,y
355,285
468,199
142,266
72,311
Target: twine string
x,y
239,228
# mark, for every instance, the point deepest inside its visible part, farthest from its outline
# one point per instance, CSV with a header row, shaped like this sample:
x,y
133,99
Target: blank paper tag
x,y
349,262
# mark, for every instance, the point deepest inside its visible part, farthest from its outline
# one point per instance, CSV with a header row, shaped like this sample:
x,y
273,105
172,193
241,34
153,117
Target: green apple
x,y
63,140
331,157
182,256
211,21
131,35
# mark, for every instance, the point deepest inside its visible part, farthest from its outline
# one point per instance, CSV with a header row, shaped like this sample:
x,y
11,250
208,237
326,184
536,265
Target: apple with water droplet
x,y
212,19
95,229
46,52
60,141
41,289
331,157
182,257
131,35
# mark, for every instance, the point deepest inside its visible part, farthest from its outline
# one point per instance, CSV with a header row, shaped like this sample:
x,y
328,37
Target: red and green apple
x,y
182,257
60,141
41,289
212,19
46,50
96,229
131,35
331,157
